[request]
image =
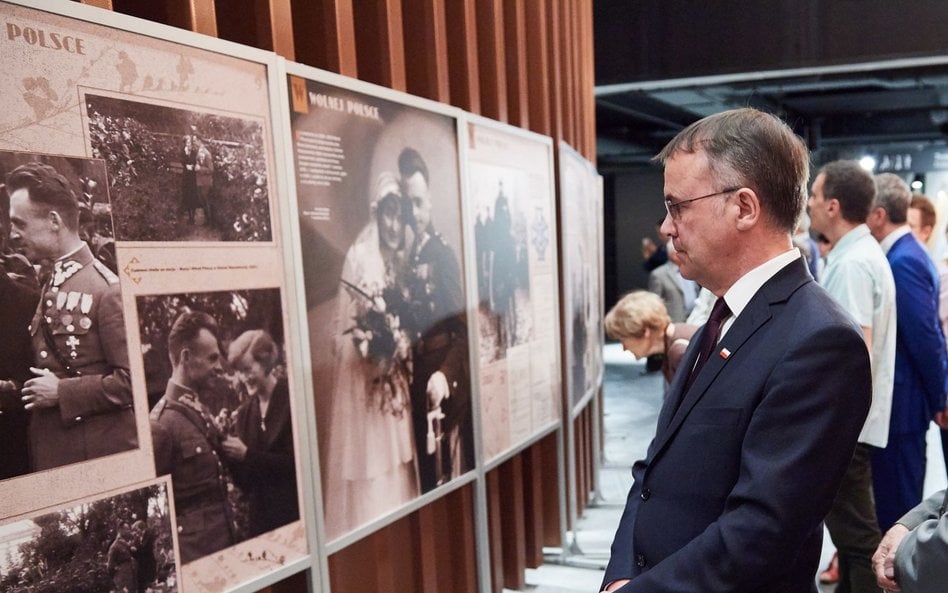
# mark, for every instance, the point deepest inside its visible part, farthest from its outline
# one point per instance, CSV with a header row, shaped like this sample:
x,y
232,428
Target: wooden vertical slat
x,y
349,572
515,565
106,4
380,48
324,35
465,85
427,559
538,65
426,49
461,538
201,16
281,28
399,572
579,426
551,499
589,124
495,532
491,68
515,57
555,69
533,494
571,60
293,584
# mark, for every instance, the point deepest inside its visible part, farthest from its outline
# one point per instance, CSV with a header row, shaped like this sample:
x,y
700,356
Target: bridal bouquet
x,y
378,337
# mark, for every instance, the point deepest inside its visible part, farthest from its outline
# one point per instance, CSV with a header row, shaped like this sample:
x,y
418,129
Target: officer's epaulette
x,y
106,273
155,413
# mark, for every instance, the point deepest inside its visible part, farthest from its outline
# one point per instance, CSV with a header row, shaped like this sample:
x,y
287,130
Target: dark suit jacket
x,y
920,359
733,491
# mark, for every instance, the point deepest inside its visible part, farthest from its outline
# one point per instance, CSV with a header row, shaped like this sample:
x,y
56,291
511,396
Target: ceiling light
x,y
868,163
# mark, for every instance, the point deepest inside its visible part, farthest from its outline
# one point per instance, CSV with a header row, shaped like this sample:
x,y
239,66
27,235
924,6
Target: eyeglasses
x,y
674,208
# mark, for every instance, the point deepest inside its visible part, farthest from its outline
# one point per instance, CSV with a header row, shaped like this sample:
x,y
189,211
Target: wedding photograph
x,y
386,299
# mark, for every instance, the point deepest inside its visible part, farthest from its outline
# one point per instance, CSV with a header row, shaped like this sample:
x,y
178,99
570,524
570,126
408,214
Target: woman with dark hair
x,y
261,453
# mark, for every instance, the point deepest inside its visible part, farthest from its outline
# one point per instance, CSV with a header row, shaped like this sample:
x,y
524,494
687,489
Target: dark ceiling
x,y
650,86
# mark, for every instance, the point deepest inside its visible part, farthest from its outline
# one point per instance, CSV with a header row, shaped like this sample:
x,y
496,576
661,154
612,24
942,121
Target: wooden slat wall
x,y
523,513
526,62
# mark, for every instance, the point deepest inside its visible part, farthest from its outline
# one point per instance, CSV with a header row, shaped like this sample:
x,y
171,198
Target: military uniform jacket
x,y
185,446
78,334
439,343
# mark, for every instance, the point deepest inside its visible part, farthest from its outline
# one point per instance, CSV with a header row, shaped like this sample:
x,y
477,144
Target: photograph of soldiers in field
x,y
181,175
221,421
65,387
120,544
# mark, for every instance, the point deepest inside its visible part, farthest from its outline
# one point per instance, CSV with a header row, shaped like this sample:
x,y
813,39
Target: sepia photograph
x,y
179,174
581,274
380,221
65,387
221,416
510,198
119,544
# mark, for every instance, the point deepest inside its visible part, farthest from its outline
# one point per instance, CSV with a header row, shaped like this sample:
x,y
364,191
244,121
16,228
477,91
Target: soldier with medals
x,y
187,441
80,397
440,389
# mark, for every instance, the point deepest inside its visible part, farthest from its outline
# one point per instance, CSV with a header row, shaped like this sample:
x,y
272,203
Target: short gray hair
x,y
894,196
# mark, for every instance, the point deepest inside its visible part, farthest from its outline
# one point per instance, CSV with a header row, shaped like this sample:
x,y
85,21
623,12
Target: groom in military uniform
x,y
440,389
80,399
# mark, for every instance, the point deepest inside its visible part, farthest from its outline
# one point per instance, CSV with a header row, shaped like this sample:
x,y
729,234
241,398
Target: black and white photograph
x,y
179,174
380,222
119,544
65,386
510,198
221,417
505,317
581,274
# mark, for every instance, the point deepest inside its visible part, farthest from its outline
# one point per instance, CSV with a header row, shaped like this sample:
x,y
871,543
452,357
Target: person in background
x,y
261,453
858,277
654,255
921,360
913,555
641,322
676,292
921,218
807,246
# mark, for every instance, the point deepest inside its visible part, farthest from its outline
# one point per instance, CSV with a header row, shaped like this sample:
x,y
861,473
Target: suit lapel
x,y
752,318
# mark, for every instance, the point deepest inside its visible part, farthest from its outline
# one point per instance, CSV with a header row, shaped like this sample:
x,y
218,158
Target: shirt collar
x,y
850,238
741,292
894,236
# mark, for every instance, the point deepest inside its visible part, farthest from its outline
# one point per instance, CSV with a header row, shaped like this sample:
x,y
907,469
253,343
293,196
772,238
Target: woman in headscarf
x,y
370,464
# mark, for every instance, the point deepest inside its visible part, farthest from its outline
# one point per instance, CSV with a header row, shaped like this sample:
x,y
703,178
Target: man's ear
x,y
55,219
749,211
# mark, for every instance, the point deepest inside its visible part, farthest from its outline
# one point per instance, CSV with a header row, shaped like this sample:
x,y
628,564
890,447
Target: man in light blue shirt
x,y
858,276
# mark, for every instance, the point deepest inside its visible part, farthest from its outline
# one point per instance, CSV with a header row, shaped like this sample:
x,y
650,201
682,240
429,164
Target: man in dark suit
x,y
921,363
751,445
80,399
441,386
